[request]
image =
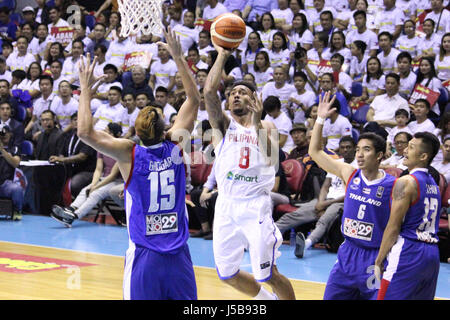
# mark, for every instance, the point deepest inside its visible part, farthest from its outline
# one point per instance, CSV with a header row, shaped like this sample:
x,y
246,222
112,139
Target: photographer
x,y
301,65
9,161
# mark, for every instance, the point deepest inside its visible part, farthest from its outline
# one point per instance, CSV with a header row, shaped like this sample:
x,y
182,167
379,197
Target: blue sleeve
x,y
344,105
12,29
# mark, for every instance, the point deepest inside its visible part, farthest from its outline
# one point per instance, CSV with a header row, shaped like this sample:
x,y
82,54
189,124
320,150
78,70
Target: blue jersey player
x,y
157,263
410,241
365,215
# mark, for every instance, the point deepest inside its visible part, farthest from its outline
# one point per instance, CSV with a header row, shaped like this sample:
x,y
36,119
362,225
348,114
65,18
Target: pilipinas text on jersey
x,y
155,198
366,209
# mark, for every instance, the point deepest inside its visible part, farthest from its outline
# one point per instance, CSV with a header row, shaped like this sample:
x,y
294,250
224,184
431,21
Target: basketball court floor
x,y
41,259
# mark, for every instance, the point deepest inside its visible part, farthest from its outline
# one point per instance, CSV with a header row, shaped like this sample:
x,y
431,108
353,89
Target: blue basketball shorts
x,y
412,271
352,276
151,275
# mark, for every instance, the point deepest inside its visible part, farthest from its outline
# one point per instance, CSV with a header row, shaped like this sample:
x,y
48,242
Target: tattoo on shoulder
x,y
399,190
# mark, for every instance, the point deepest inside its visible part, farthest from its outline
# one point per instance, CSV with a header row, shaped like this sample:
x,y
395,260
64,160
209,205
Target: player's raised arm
x,y
341,169
189,109
217,118
118,149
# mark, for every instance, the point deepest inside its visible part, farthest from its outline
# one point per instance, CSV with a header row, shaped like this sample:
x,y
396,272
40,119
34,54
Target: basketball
x,y
228,31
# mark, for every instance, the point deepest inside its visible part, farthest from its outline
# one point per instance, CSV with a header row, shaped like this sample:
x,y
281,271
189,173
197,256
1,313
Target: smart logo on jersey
x,y
241,177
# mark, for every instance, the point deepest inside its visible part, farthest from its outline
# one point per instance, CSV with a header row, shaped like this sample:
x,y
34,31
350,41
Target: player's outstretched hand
x,y
222,51
172,44
86,72
324,109
256,108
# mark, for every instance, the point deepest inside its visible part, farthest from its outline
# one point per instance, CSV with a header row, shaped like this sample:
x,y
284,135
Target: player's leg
x,y
264,240
410,265
341,284
180,276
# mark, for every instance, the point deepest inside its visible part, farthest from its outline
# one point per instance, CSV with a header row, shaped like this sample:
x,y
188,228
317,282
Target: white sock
x,y
265,295
308,244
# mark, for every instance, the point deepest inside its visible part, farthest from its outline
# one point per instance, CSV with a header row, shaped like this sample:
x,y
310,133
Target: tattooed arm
x,y
404,193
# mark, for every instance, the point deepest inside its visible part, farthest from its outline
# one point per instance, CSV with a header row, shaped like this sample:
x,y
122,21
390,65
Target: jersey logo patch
x,y
380,191
358,229
161,223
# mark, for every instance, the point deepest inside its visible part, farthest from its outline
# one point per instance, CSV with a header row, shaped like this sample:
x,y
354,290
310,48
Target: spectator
x,y
443,166
301,64
54,15
113,111
187,32
442,61
298,134
118,49
213,9
408,42
358,62
98,37
267,29
101,89
407,76
106,176
20,59
54,53
31,82
64,106
327,83
100,52
254,10
282,15
9,161
383,107
5,95
272,106
279,53
8,28
161,96
5,74
71,64
422,123
56,73
279,88
429,45
441,17
401,141
204,44
138,83
193,58
300,33
14,126
388,54
329,203
48,180
315,17
374,81
337,45
77,157
262,71
301,100
426,76
335,127
129,118
254,46
362,33
401,119
162,72
342,79
39,106
389,19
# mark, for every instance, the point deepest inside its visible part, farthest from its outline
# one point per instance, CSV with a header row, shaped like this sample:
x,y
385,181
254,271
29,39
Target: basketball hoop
x,y
140,15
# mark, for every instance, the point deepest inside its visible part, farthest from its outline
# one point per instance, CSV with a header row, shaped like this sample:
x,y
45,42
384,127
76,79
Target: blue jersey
x,y
155,198
366,209
421,221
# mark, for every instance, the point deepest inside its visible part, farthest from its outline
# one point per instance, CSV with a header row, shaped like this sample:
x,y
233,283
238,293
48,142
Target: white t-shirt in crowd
x,y
106,114
284,125
335,131
163,72
64,111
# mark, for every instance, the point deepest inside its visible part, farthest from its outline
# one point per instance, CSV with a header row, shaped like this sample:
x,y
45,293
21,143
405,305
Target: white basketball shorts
x,y
240,224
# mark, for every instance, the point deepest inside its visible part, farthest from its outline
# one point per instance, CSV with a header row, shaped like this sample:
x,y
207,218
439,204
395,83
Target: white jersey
x,y
240,166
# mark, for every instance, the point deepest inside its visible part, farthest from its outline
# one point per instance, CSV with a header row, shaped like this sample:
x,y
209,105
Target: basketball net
x,y
140,15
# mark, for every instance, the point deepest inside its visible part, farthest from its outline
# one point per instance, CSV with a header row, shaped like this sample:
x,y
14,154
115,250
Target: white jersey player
x,y
245,176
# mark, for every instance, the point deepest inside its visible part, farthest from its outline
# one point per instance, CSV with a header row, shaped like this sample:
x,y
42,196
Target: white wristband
x,y
320,120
